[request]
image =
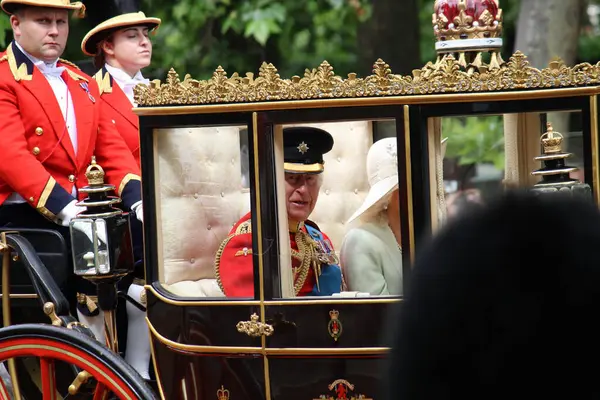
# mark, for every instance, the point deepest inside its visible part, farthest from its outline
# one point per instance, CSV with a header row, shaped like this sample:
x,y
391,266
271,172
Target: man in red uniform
x,y
315,266
52,125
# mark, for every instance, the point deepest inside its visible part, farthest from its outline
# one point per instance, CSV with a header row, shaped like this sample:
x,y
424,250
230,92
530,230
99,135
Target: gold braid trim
x,y
305,255
69,63
218,260
4,58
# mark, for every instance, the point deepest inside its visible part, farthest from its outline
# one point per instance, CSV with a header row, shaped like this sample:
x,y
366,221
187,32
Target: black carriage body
x,y
198,351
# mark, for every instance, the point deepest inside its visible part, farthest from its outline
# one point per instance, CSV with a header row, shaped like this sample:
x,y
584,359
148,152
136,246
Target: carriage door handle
x,y
254,327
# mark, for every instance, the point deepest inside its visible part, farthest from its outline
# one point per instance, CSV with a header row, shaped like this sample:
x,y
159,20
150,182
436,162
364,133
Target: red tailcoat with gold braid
x,y
311,257
38,160
119,111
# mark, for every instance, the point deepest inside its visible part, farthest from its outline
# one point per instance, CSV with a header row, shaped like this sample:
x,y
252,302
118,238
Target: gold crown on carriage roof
x,y
222,394
467,25
551,140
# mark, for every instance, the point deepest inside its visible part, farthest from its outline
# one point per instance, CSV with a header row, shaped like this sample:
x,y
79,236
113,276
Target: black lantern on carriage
x,y
555,172
100,236
101,244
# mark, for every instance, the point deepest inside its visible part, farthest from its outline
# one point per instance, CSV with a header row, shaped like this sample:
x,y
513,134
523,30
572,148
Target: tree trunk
x,y
392,34
547,29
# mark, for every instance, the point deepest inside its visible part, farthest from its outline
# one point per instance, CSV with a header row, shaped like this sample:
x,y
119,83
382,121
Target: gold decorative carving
x,y
446,75
254,328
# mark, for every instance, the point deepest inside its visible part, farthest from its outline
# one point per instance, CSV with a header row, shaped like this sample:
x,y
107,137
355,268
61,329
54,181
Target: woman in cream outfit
x,y
371,256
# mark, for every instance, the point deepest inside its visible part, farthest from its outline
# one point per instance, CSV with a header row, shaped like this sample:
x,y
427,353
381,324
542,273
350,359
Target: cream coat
x,y
371,260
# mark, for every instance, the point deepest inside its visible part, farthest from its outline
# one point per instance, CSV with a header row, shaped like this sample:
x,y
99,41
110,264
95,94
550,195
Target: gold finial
x,y
95,174
551,140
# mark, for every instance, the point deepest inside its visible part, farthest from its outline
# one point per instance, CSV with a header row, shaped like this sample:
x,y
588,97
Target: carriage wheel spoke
x,y
48,378
101,393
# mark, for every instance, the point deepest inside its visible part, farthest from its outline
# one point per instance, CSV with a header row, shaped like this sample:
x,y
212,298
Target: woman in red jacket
x,y
121,48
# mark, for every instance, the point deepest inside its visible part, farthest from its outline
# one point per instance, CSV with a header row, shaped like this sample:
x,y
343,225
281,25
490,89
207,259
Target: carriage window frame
x,y
267,125
153,242
554,101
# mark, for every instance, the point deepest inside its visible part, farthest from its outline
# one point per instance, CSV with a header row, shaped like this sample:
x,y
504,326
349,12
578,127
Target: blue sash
x,y
330,280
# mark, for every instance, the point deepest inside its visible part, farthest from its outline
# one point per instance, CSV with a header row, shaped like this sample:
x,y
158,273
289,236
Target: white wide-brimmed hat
x,y
382,172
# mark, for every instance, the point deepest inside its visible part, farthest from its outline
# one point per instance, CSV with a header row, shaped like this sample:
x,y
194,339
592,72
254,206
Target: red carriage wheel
x,y
51,344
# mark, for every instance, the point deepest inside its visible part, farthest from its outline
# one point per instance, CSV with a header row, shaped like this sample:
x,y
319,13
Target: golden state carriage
x,y
212,151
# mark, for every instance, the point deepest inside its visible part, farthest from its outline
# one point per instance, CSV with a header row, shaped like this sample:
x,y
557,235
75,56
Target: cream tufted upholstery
x,y
202,196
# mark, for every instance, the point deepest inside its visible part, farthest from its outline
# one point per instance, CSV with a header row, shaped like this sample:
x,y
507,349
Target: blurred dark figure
x,y
463,201
504,304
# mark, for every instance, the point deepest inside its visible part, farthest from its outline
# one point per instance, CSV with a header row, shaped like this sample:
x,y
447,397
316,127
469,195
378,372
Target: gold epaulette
x,y
4,58
244,227
69,63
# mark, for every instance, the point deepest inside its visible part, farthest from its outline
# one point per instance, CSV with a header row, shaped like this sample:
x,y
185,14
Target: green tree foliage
x,y
475,140
240,35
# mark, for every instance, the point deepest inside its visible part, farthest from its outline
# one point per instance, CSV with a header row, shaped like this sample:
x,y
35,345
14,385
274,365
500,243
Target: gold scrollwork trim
x,y
365,101
202,349
444,76
254,328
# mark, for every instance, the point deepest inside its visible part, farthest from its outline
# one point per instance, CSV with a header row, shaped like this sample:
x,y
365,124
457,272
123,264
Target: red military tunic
x,y
234,267
119,111
37,158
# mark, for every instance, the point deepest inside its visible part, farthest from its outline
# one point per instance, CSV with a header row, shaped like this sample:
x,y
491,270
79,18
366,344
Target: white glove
x,y
138,210
70,211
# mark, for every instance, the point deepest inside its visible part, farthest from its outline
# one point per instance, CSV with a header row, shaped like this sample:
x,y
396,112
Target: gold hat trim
x,y
303,168
89,42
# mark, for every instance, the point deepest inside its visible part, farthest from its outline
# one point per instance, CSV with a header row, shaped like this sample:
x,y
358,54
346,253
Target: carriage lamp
x,y
101,245
100,235
555,173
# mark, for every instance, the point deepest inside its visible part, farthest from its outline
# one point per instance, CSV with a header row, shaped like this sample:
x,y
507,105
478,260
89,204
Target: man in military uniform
x,y
52,125
315,266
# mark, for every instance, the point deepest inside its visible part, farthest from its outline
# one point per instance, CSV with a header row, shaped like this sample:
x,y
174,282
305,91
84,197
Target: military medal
x,y
85,87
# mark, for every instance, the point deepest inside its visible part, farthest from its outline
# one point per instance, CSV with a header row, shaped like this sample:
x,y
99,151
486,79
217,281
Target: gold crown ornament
x,y
223,394
467,25
94,174
551,140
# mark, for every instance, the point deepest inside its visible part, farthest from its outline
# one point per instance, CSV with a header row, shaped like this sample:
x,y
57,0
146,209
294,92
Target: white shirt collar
x,y
126,82
37,62
123,77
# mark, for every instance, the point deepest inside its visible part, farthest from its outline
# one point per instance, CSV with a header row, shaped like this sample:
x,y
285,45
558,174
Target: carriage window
x,y
202,192
486,154
339,209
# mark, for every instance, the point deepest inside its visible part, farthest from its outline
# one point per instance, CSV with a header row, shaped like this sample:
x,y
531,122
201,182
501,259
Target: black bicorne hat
x,y
303,149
